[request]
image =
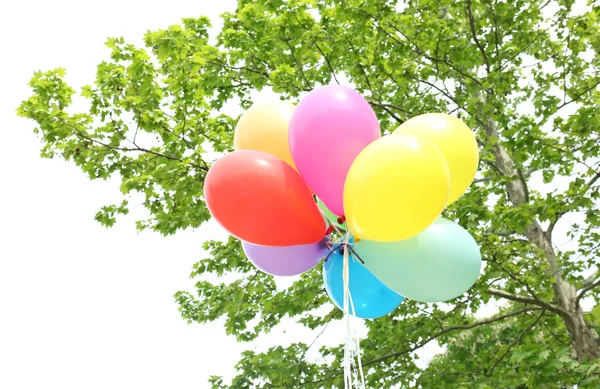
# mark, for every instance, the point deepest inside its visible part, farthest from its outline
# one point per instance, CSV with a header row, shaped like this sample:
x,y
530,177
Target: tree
x,y
523,74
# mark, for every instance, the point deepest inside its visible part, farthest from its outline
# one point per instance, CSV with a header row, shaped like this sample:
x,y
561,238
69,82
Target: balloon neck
x,y
341,220
329,230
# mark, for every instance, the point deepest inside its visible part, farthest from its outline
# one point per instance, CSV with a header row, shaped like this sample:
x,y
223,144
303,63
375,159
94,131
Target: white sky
x,y
82,306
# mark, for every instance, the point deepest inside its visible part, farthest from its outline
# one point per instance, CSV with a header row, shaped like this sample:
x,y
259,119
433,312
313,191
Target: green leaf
x,y
596,314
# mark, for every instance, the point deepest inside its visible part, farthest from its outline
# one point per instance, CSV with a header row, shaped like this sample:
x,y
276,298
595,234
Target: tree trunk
x,y
584,339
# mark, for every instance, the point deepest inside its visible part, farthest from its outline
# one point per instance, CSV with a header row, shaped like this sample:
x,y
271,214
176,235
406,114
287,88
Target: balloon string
x,y
332,250
356,254
357,344
350,380
353,371
336,228
347,357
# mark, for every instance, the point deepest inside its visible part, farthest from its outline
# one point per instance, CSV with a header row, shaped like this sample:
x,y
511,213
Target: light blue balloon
x,y
437,265
371,298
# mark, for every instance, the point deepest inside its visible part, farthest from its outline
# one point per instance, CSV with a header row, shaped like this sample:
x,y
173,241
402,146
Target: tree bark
x,y
584,339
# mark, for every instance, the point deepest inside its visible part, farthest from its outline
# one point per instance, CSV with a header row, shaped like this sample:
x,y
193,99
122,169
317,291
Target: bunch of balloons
x,y
301,173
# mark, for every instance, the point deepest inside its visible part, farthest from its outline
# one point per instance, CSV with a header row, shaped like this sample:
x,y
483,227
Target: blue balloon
x,y
371,298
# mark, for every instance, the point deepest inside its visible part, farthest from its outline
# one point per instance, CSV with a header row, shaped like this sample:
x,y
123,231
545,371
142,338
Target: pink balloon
x,y
329,128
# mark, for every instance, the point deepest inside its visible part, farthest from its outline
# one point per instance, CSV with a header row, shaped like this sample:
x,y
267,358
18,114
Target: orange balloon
x,y
265,127
260,199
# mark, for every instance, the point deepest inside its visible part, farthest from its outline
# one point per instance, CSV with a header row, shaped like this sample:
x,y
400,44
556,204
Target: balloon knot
x,y
329,230
339,248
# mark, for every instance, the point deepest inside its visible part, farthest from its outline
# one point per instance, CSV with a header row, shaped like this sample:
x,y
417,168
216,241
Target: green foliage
x,y
523,74
540,357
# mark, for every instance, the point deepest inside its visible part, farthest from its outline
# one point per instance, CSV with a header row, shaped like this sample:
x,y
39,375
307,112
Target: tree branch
x,y
447,330
432,337
484,179
576,98
525,176
500,233
553,223
327,61
528,300
592,181
125,149
517,279
589,280
298,64
511,60
318,48
558,215
497,39
386,108
515,342
586,289
474,33
419,51
239,68
375,103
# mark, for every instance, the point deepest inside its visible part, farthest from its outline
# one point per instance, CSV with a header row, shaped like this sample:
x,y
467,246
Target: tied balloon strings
x,y
352,360
333,247
353,372
341,243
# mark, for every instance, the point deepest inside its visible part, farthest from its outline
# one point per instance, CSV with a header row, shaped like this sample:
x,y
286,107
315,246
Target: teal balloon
x,y
371,298
333,218
437,265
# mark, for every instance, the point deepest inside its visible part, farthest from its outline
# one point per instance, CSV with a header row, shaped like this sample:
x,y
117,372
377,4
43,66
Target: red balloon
x,y
260,199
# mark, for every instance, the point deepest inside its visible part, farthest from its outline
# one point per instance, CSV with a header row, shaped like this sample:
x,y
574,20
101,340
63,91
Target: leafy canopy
x,y
523,74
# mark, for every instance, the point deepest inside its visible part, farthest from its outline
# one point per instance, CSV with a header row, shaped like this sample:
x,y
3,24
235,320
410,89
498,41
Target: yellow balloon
x,y
456,141
265,127
396,188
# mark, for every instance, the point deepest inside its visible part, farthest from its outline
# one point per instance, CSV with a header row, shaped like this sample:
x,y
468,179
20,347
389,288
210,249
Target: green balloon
x,y
437,265
333,219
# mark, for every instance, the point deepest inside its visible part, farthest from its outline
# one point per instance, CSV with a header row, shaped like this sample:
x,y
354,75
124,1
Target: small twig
x,y
500,233
576,98
331,317
514,277
474,33
589,280
318,48
497,39
553,223
515,342
592,181
240,68
386,109
300,66
484,179
586,289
